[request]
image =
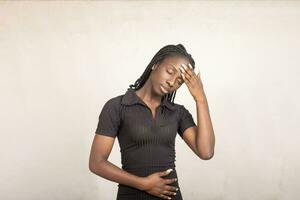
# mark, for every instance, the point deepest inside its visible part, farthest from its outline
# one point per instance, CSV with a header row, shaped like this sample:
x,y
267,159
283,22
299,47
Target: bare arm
x,y
205,139
99,165
201,139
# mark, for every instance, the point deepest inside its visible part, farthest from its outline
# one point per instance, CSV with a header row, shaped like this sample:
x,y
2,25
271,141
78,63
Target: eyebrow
x,y
177,71
174,67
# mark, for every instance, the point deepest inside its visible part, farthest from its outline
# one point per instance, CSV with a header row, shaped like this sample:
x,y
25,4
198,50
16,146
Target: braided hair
x,y
168,50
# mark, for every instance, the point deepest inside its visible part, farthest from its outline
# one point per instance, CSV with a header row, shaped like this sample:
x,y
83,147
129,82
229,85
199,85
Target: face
x,y
166,77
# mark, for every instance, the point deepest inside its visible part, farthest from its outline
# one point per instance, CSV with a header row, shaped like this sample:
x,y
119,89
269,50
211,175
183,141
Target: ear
x,y
154,67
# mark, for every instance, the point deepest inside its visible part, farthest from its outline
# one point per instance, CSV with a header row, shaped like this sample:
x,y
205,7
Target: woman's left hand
x,y
193,82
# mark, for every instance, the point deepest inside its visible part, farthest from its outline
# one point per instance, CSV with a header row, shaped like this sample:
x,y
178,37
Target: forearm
x,y
205,140
113,173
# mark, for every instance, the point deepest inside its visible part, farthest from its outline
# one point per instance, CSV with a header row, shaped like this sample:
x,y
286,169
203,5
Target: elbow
x,y
94,166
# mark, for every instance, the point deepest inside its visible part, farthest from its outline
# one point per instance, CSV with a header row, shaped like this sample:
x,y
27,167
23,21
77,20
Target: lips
x,y
166,91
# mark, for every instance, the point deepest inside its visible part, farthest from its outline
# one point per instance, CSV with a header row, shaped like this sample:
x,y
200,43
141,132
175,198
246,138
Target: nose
x,y
171,81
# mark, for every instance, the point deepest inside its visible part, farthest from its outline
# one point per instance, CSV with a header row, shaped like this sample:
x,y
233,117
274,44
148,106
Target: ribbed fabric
x,y
126,192
147,143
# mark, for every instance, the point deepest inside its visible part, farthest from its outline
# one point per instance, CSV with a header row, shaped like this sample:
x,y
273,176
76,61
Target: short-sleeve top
x,y
145,141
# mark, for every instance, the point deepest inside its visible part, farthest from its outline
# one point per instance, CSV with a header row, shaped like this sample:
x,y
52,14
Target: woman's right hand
x,y
157,186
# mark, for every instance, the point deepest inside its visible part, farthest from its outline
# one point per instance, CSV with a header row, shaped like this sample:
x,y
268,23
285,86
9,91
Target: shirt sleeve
x,y
185,121
109,119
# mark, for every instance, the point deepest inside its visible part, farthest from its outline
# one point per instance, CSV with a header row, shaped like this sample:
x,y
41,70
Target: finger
x,y
170,180
171,188
166,192
189,70
164,173
184,69
164,196
193,77
198,74
187,81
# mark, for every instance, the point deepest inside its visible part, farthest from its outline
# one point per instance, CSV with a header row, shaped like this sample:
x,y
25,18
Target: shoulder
x,y
177,106
116,100
181,110
113,103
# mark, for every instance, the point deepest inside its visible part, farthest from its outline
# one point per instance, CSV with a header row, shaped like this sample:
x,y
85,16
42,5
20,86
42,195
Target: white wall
x,y
61,60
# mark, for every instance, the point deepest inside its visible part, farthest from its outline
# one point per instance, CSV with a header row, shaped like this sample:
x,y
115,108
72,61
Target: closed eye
x,y
179,81
170,71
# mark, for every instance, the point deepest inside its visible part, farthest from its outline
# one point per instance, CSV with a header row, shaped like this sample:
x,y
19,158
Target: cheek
x,y
161,76
157,78
166,75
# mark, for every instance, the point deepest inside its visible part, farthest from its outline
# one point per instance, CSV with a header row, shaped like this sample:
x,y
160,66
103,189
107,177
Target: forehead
x,y
175,61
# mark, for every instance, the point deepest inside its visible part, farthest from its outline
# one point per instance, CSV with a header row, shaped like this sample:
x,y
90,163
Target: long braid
x,y
168,50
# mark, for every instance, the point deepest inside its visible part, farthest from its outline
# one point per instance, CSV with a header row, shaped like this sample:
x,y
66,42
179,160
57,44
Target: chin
x,y
163,92
159,91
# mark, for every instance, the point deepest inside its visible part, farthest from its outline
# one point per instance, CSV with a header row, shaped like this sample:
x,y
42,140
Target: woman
x,y
146,120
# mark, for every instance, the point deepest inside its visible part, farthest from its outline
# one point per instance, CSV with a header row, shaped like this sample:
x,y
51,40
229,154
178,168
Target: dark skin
x,y
171,73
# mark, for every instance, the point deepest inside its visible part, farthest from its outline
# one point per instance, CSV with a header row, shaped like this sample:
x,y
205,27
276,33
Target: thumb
x,y
164,173
198,75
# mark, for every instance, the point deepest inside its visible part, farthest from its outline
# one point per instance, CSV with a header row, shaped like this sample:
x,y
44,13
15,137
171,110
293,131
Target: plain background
x,y
60,61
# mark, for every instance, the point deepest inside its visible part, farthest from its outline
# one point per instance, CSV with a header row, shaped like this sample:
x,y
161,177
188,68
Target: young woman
x,y
146,121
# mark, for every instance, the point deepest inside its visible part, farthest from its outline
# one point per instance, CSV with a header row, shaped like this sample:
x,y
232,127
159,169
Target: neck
x,y
147,93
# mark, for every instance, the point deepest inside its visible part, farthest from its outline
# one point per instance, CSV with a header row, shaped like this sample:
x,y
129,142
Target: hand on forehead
x,y
176,62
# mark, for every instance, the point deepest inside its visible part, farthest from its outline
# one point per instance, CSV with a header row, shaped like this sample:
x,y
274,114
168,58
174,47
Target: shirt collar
x,y
131,98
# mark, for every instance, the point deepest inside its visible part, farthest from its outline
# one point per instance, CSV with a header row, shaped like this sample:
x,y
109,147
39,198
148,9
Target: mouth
x,y
164,90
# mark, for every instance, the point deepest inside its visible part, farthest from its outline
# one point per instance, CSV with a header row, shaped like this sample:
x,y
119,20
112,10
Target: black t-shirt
x,y
145,142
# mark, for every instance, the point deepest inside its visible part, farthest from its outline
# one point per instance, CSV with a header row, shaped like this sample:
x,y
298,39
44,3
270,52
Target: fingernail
x,y
169,170
184,66
190,66
181,69
176,189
